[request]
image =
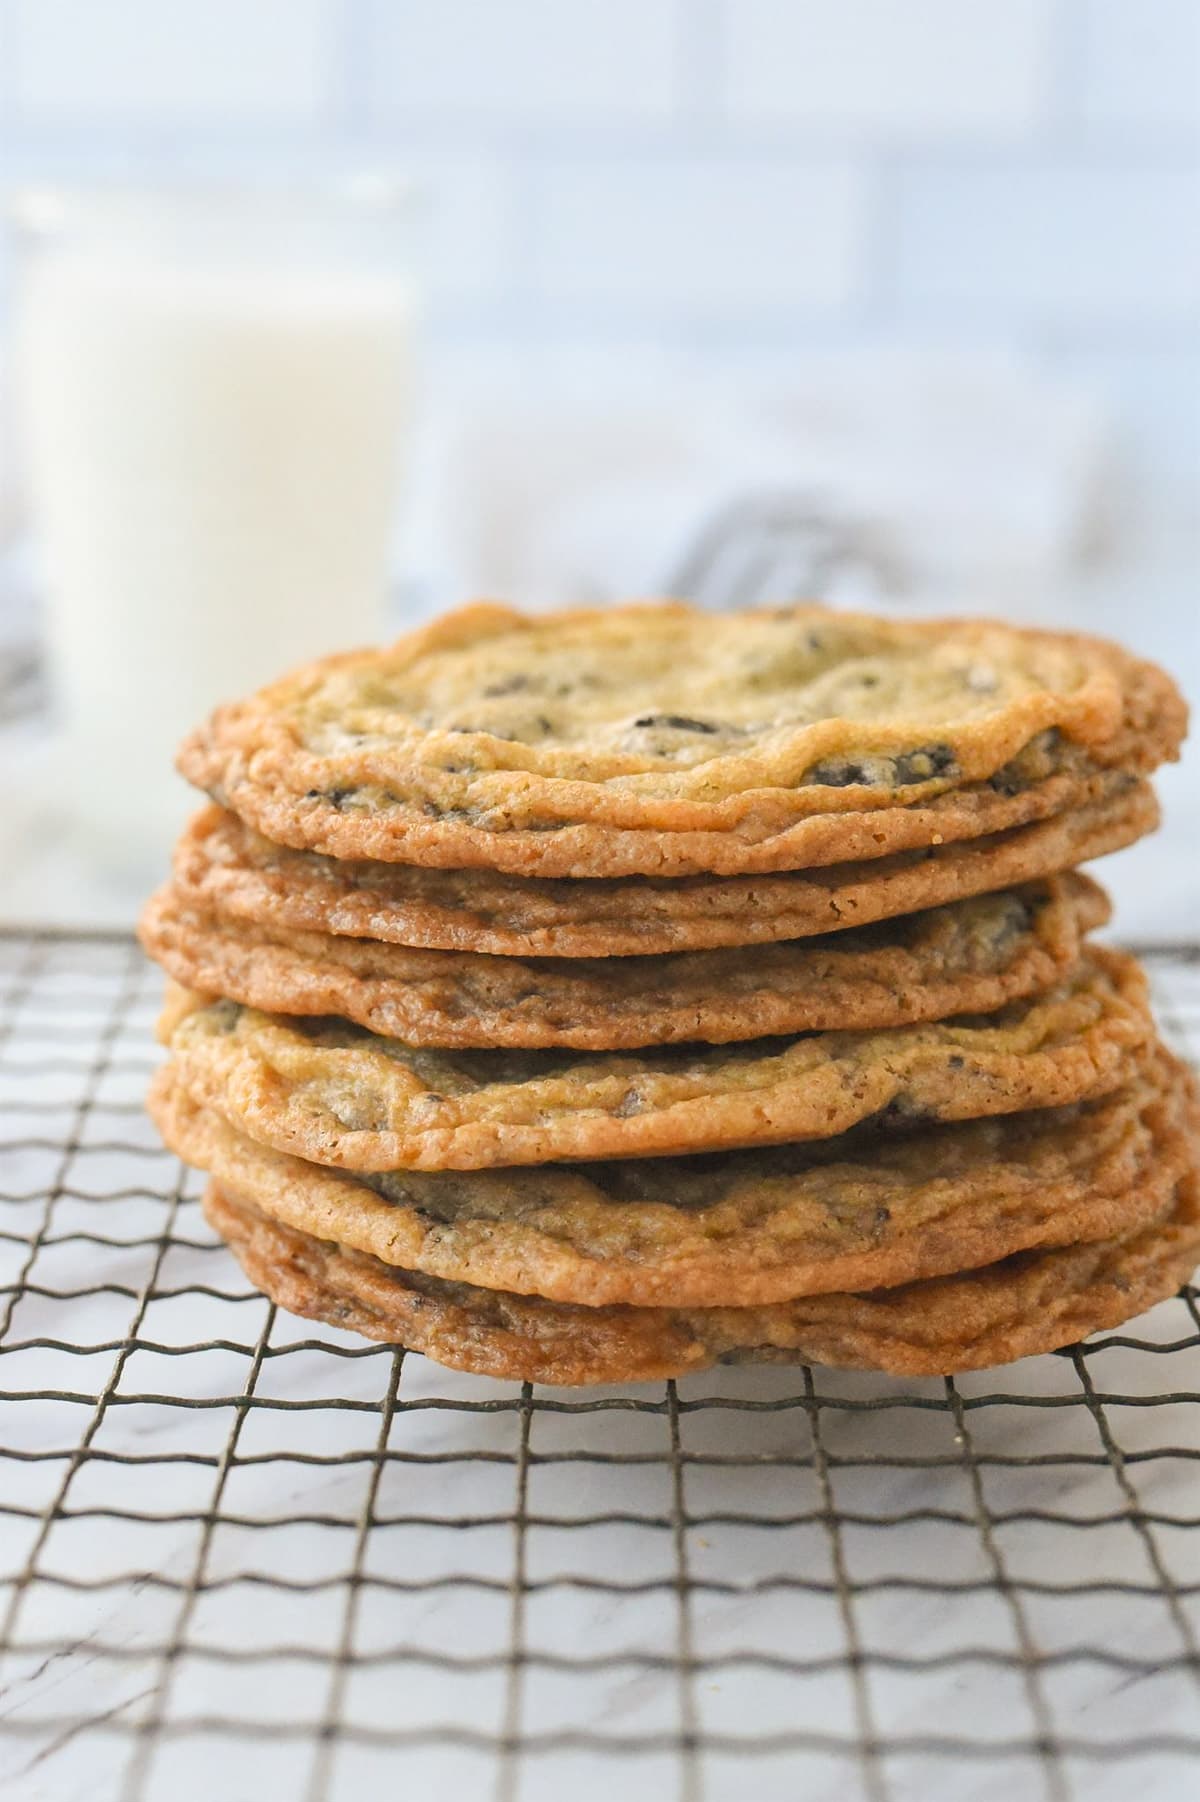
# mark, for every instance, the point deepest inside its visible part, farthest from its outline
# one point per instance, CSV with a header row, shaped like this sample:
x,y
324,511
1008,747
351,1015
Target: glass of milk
x,y
216,390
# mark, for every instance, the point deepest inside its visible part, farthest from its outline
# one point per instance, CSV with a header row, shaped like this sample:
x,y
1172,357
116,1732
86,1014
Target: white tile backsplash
x,y
141,62
1052,242
720,179
465,209
953,165
697,237
934,70
1155,392
1139,65
564,62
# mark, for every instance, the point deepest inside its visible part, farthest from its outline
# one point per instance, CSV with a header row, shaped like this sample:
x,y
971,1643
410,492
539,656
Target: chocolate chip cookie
x,y
1033,1302
224,868
660,740
868,1210
966,957
334,1093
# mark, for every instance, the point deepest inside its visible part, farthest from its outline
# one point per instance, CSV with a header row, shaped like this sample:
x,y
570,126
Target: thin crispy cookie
x,y
224,868
330,1092
662,740
736,1229
1034,1302
970,956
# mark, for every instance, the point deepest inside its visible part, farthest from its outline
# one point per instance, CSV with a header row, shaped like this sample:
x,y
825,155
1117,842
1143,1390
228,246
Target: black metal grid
x,y
247,1558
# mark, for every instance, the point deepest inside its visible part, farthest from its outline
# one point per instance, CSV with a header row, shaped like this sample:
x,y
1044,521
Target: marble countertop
x,y
835,1557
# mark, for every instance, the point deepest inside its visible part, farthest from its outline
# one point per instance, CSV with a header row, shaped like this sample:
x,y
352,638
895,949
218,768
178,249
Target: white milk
x,y
213,455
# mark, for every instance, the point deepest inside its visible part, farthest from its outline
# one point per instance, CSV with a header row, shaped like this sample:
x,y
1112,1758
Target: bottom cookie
x,y
1033,1302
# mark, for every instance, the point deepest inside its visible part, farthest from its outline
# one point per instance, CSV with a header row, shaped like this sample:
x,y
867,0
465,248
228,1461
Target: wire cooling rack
x,y
247,1558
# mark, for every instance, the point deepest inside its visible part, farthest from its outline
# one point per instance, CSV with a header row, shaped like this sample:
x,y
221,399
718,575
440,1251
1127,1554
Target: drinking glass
x,y
216,388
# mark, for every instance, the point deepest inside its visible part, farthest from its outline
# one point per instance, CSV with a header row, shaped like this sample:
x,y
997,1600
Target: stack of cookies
x,y
597,996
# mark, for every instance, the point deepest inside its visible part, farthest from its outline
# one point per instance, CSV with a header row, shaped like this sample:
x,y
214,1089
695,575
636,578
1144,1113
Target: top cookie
x,y
658,739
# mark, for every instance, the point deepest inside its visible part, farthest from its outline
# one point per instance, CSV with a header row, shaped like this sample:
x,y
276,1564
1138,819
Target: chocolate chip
x,y
432,811
919,766
902,1110
838,774
676,722
1041,757
437,1207
510,685
898,772
334,797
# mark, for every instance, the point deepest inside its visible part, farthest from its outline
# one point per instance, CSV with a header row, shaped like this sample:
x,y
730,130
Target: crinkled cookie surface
x,y
736,1228
658,739
336,1094
223,868
1033,1302
966,957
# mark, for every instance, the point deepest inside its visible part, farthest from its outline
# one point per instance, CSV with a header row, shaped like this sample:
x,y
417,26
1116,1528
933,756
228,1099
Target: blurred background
x,y
897,302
